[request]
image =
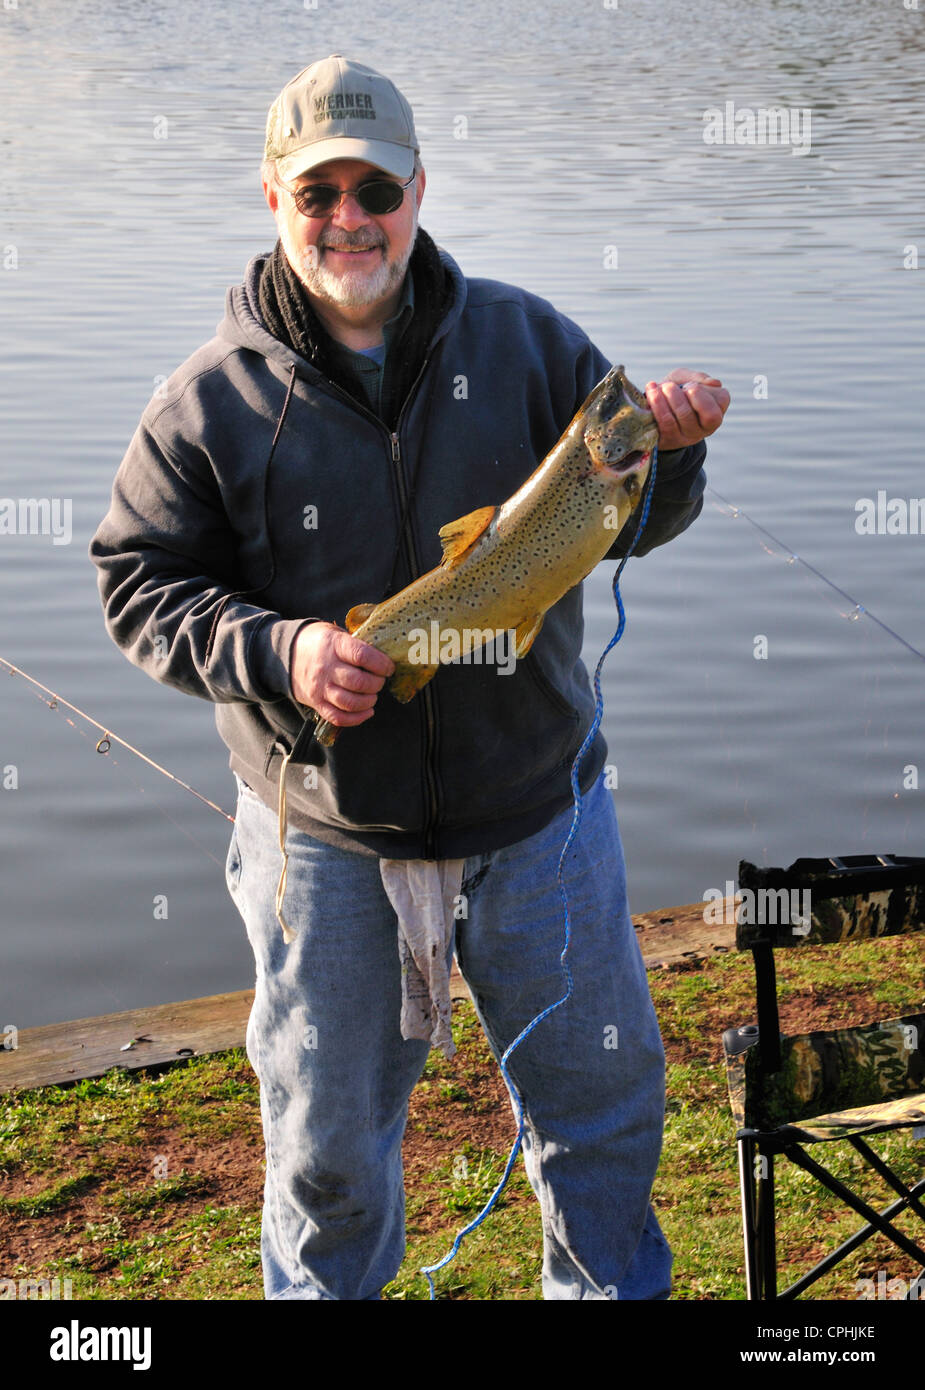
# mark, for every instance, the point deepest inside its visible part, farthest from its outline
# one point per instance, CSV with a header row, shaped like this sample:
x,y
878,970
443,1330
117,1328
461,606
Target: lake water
x,y
558,139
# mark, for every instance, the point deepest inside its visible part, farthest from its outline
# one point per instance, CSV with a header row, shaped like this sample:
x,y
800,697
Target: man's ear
x,y
271,195
421,184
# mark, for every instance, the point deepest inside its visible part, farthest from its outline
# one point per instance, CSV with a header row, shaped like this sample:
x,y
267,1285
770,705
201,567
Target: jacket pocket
x,y
503,740
276,748
557,700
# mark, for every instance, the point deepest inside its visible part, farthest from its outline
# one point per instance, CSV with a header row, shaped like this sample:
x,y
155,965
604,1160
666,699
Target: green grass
x,y
53,1198
696,1191
117,1230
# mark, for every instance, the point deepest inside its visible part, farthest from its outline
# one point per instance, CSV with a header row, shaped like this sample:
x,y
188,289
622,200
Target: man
x,y
361,393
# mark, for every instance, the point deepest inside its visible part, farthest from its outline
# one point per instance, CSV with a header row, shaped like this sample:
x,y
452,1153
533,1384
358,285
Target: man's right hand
x,y
337,675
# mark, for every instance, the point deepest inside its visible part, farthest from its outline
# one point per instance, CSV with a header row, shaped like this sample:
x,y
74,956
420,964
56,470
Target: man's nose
x,y
348,213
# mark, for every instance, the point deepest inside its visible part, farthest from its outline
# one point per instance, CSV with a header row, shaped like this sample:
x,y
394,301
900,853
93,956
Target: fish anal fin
x,y
408,679
458,536
525,634
358,615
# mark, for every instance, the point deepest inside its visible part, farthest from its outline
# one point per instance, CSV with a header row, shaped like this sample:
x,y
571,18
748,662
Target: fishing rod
x,y
109,738
103,745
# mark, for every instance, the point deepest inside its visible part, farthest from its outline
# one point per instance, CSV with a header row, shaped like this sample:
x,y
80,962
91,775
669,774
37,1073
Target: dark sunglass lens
x,y
380,198
318,198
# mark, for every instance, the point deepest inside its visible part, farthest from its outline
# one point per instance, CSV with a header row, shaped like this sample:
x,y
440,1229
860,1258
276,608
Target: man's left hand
x,y
687,406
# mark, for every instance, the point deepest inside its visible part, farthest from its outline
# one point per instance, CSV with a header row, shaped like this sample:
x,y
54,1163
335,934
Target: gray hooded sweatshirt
x,y
257,495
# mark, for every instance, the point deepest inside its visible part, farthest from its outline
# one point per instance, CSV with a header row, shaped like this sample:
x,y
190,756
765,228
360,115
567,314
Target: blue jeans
x,y
335,1074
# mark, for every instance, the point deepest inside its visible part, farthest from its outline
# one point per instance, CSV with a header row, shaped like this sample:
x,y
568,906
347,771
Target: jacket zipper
x,y
431,793
430,770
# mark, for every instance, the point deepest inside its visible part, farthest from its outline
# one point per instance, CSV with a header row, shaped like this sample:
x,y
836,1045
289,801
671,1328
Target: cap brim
x,y
397,160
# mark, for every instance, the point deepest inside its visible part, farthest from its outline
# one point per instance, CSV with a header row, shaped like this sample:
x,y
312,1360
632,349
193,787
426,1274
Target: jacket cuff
x,y
677,499
269,655
671,462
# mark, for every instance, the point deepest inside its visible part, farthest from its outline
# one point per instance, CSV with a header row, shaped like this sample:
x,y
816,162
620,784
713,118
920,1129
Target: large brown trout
x,y
504,567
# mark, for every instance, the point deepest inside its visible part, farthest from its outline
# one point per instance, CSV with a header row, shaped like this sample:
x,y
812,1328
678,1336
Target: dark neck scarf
x,y
286,308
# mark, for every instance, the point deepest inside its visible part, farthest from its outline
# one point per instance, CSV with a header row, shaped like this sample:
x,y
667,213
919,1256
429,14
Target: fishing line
x,y
429,1270
109,737
873,662
858,608
103,745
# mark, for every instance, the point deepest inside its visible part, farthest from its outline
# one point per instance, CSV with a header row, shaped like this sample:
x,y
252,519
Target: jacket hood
x,y
243,325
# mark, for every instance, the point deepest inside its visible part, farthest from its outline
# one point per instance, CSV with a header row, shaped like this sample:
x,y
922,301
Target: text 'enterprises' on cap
x,y
336,109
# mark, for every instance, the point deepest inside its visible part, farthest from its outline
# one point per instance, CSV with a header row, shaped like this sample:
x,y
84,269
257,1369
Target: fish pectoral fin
x,y
358,615
457,537
408,679
525,634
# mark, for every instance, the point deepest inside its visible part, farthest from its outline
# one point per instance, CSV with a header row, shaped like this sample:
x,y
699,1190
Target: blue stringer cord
x,y
429,1270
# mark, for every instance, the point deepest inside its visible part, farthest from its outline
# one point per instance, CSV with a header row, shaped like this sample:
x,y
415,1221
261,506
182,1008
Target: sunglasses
x,y
377,197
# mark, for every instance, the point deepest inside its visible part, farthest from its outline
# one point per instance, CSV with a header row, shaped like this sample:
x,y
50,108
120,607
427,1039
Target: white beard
x,y
351,289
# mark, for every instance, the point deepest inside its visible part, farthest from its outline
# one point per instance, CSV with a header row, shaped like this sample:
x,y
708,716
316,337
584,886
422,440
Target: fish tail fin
x,y
326,733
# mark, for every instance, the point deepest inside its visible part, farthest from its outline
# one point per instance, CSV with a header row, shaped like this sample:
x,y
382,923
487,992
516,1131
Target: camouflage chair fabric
x,y
840,1084
831,1084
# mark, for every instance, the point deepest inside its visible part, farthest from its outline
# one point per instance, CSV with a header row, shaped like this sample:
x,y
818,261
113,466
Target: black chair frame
x,y
758,1148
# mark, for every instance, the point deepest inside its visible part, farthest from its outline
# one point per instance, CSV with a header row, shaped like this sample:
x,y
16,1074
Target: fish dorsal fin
x,y
457,537
358,615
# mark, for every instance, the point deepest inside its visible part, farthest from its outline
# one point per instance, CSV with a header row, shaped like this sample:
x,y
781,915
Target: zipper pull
x,y
396,452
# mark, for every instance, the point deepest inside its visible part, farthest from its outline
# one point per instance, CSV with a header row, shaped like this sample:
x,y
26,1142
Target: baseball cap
x,y
336,109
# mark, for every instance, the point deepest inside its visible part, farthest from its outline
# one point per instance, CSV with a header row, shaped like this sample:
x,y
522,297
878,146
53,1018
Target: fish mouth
x,y
632,462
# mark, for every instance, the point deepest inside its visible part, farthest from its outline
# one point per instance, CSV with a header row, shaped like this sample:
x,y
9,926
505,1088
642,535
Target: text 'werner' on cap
x,y
336,109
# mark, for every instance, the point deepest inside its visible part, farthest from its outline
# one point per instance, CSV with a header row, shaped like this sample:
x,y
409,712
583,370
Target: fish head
x,y
617,426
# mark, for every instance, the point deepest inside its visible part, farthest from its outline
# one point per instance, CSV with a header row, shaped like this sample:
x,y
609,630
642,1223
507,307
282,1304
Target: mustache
x,y
356,241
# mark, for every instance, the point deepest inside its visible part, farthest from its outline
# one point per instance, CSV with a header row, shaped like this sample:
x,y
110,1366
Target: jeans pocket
x,y
233,864
244,788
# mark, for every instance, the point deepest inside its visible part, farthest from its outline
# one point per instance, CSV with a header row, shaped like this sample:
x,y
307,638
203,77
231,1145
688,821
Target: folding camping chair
x,y
790,1092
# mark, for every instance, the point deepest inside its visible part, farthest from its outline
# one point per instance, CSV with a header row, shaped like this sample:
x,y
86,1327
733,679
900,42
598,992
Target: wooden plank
x,y
61,1053
673,936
